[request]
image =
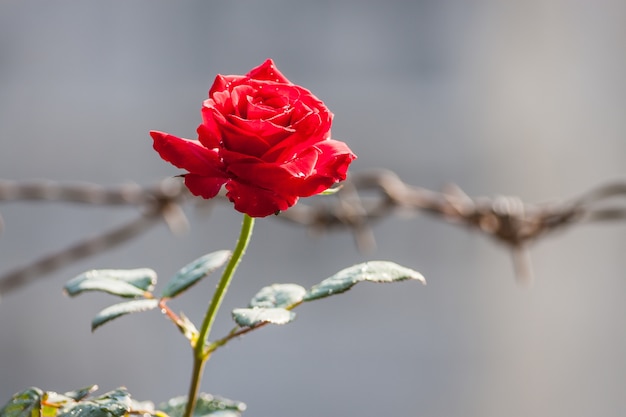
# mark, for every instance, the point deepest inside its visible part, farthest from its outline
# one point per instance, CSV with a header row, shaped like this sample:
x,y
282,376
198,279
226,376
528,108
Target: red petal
x,y
225,82
304,164
268,71
206,187
290,147
334,159
332,167
243,141
209,132
257,202
187,154
239,99
261,174
286,179
266,130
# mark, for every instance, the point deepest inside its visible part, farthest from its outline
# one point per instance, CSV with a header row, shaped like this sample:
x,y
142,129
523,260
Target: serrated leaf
x,y
194,272
122,282
117,310
23,404
206,405
278,295
250,317
373,271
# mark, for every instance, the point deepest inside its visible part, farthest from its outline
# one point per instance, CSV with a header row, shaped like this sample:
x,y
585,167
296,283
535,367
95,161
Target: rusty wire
x,y
366,198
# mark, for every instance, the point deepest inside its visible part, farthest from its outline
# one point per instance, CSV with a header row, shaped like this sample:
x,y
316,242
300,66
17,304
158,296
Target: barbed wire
x,y
364,199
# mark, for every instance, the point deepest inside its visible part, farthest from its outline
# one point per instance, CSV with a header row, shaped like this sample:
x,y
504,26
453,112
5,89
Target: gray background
x,y
501,97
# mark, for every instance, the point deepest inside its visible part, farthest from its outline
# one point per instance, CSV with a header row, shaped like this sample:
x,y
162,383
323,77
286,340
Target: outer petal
x,y
187,154
332,166
268,71
209,132
206,187
224,82
257,202
335,157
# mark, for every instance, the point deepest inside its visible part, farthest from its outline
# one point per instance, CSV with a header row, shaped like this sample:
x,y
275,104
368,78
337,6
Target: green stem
x,y
201,354
196,376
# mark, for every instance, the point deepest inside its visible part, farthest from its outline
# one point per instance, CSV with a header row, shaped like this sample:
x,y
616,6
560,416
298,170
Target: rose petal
x,y
289,148
268,71
332,166
241,140
229,157
187,154
206,187
225,82
221,101
259,109
239,98
304,164
267,131
255,201
209,132
286,180
264,175
335,157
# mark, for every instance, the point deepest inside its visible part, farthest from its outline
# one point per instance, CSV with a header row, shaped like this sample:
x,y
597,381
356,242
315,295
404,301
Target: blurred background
x,y
521,98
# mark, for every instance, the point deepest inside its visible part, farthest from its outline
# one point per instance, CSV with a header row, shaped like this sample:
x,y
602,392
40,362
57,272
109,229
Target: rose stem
x,y
200,353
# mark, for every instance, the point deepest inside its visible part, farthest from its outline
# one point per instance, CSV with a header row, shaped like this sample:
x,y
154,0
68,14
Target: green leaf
x,y
23,404
206,405
250,317
112,404
374,271
194,272
278,295
117,403
188,329
117,310
122,282
81,393
52,402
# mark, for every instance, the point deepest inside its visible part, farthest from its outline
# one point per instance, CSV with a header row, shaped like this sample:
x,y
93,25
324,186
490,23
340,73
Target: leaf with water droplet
x,y
278,295
206,405
194,272
122,282
115,403
23,404
373,271
81,393
52,402
117,310
250,317
35,402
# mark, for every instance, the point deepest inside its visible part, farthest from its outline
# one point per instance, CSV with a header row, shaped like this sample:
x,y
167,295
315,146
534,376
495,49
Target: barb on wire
x,y
366,198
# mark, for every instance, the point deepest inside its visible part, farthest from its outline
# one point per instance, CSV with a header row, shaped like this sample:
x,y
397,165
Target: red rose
x,y
265,138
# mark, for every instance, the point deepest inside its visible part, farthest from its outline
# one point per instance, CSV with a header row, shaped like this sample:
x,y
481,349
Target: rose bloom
x,y
267,140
